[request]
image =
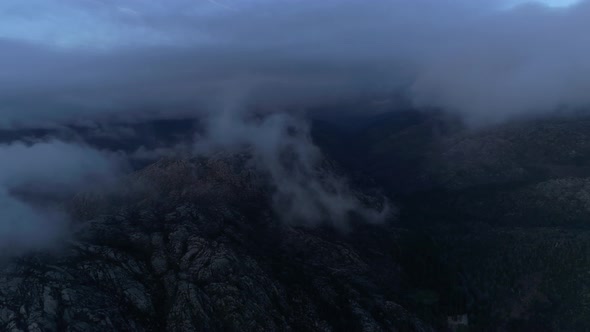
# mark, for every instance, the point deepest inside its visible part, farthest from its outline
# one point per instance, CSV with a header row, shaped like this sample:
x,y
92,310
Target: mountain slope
x,y
192,245
507,206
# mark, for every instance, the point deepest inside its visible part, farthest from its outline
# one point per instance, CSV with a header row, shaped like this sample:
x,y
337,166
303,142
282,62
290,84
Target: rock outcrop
x,y
192,245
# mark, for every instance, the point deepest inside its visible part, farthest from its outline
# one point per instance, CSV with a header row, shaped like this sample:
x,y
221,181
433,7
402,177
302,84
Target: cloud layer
x,y
78,62
70,61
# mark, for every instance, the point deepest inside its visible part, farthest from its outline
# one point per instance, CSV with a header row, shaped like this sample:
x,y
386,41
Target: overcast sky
x,y
489,60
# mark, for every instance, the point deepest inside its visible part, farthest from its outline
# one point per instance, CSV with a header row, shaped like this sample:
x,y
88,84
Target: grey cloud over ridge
x,y
22,227
44,168
305,191
53,163
68,61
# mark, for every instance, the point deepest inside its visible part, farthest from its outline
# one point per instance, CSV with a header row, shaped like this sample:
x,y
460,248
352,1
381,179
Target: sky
x,y
487,60
551,3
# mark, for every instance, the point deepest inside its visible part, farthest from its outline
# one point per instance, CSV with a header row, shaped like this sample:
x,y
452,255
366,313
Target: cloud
x,y
524,62
24,227
32,173
305,190
69,61
54,163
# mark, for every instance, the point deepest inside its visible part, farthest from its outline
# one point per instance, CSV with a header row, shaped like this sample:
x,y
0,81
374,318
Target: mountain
x,y
506,206
491,234
193,245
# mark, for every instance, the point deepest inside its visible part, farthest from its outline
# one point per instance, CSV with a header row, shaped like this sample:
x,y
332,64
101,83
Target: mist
x,y
306,191
44,170
81,62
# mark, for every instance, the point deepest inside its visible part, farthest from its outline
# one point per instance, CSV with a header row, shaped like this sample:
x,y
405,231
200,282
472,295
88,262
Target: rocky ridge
x,y
192,245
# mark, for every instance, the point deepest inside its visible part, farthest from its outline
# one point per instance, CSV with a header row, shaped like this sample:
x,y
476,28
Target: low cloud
x,y
79,62
33,173
305,188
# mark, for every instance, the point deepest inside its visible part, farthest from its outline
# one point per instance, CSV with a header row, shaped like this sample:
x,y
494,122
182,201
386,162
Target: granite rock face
x,y
192,245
